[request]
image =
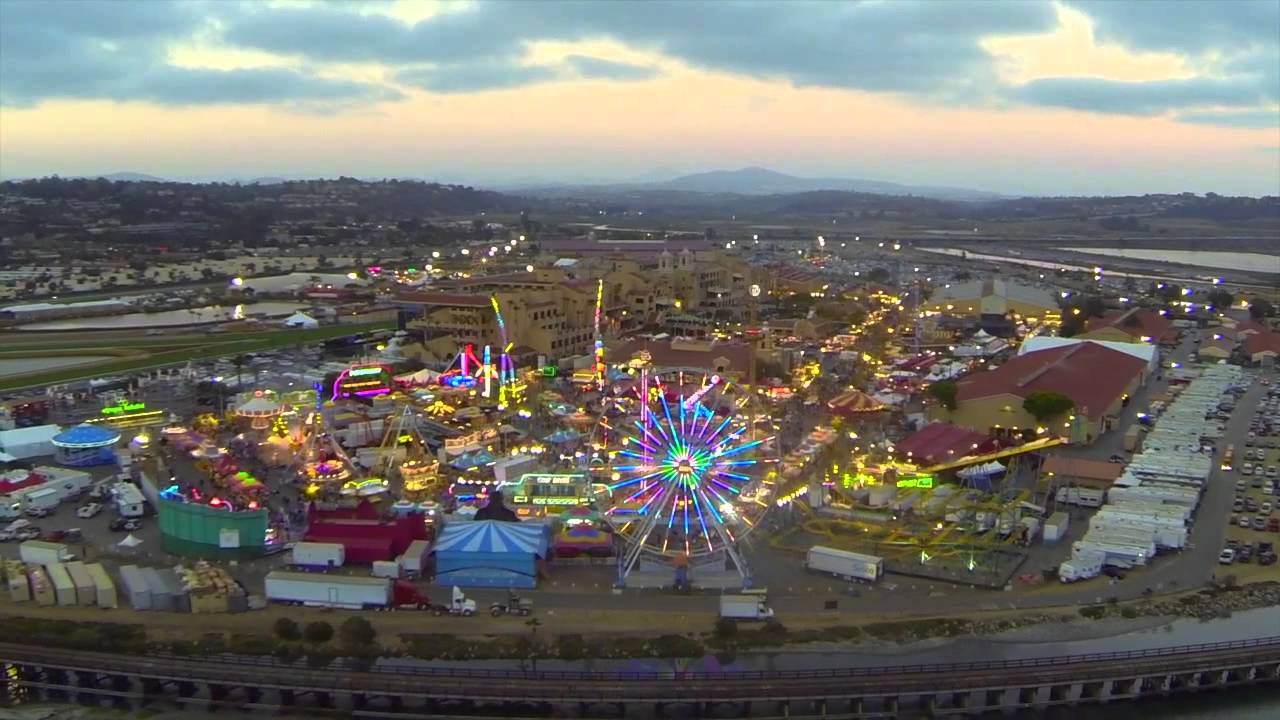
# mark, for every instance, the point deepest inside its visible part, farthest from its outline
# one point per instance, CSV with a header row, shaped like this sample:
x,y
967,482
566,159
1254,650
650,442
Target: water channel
x,y
170,318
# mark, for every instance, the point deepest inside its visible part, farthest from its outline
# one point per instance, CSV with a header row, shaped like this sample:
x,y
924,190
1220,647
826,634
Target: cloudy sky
x,y
1075,96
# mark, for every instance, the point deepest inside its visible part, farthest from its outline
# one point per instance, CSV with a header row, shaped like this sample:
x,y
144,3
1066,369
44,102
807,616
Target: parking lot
x,y
1254,524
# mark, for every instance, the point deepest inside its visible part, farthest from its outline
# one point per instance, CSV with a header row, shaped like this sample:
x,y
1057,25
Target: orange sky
x,y
684,119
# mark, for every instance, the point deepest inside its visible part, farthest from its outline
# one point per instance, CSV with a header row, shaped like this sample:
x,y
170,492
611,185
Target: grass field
x,y
141,353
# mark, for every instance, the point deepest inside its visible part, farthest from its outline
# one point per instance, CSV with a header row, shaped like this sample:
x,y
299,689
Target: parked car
x,y
38,512
127,524
1244,522
1259,523
1266,507
1227,556
88,511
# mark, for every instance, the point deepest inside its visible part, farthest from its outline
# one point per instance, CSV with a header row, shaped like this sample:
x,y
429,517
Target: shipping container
x,y
63,589
1056,527
41,587
19,586
318,555
86,591
162,594
136,590
104,589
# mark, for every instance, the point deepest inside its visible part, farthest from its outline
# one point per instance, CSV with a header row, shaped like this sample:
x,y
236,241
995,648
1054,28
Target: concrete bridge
x,y
351,690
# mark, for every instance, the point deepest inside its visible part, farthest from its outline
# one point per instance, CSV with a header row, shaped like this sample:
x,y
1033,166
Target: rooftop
x,y
1136,322
1090,374
1262,342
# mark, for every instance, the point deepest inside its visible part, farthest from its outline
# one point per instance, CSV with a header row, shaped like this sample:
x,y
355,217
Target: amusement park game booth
x,y
490,553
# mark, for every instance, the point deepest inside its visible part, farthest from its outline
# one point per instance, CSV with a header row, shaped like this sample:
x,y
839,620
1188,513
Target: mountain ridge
x,y
754,180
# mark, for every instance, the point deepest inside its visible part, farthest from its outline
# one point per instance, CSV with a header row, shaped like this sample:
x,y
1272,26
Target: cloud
x,y
1138,98
1238,118
911,46
475,77
1182,26
116,51
592,67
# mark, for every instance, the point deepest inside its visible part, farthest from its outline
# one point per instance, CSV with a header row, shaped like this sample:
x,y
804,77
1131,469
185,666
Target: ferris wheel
x,y
691,463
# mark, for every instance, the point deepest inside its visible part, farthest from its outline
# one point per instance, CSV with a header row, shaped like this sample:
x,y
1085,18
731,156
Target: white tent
x,y
130,541
985,470
301,320
28,442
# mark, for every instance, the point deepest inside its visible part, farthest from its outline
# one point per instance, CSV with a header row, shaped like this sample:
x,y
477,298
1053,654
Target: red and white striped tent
x,y
854,402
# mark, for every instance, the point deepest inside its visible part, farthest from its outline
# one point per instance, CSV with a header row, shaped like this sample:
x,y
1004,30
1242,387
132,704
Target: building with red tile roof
x,y
731,358
1133,325
1098,379
941,442
1262,346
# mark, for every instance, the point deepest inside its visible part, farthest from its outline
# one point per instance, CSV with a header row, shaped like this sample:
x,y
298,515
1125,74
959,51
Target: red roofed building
x,y
1136,325
1098,379
1261,346
939,442
724,358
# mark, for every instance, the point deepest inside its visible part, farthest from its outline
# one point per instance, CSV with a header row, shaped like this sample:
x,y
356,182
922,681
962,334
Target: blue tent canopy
x,y
490,553
562,436
472,460
84,436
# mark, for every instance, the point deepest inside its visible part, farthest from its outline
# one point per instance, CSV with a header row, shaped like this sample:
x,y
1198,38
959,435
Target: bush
x,y
211,644
318,633
251,644
1094,612
726,628
676,646
356,632
287,629
571,647
319,659
774,627
287,654
1128,611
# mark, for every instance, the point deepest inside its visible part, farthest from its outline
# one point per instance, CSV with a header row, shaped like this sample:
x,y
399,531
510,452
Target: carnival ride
x,y
690,472
405,454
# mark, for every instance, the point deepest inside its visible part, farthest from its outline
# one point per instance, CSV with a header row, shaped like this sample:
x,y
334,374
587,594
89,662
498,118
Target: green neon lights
x,y
123,407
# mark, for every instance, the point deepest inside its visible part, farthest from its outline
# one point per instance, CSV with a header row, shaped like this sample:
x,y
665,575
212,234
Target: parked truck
x,y
845,564
748,606
355,593
39,552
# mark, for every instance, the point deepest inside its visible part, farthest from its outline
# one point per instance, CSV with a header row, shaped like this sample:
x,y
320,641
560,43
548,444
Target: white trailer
x,y
1131,554
42,498
318,555
414,559
39,552
128,500
1055,528
845,564
104,589
1084,497
341,591
63,588
745,607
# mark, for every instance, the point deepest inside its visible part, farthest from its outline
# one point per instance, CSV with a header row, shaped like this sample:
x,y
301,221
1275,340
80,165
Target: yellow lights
x,y
237,282
352,276
1075,311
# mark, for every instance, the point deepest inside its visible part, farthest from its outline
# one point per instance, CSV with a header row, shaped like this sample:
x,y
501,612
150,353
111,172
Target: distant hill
x,y
761,181
128,177
266,181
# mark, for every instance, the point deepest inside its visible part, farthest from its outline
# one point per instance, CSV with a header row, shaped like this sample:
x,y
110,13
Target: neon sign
x,y
459,381
919,481
549,371
123,407
343,388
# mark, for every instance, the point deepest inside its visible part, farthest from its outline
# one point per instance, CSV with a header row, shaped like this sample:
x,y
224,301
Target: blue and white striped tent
x,y
490,553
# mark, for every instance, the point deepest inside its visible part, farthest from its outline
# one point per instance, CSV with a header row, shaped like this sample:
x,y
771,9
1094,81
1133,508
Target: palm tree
x,y
239,362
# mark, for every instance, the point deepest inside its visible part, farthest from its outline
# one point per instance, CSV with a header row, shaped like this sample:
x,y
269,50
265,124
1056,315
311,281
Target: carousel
x,y
260,410
85,445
